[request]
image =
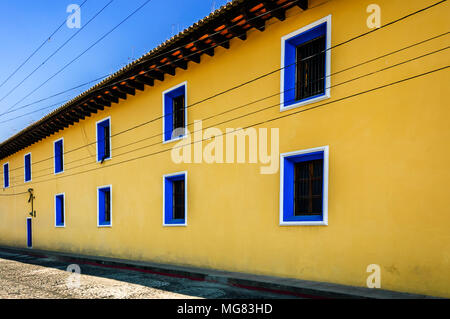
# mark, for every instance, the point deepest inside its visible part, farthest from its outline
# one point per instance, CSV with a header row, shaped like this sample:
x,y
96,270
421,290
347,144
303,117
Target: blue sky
x,y
26,24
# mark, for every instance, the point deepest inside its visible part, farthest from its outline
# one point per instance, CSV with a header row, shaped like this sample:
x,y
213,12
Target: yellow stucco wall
x,y
388,173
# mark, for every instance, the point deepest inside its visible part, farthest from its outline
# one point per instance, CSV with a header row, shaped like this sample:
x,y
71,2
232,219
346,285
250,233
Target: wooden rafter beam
x,y
277,12
302,4
135,85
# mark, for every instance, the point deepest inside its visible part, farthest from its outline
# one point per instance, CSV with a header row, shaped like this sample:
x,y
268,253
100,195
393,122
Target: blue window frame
x,y
104,140
6,175
29,233
104,209
175,199
174,110
304,187
27,165
60,211
305,75
59,156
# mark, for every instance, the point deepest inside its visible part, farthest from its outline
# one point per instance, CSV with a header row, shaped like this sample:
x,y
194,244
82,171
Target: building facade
x,y
345,162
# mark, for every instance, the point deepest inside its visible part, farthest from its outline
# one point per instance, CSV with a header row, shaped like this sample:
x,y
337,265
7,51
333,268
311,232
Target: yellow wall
x,y
388,172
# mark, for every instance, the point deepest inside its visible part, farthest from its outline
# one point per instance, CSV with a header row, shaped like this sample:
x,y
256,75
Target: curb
x,y
286,286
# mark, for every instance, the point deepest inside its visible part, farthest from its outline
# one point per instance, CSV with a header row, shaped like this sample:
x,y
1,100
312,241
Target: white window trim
x,y
98,206
110,139
54,156
327,64
185,199
64,212
9,176
164,112
324,222
25,169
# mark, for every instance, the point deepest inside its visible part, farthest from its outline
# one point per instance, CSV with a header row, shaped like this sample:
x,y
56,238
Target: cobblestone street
x,y
24,276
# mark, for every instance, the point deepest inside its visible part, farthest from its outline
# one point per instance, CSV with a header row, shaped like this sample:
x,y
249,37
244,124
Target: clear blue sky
x,y
26,24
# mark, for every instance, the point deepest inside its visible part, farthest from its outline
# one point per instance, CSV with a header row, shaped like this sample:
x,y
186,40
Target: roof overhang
x,y
233,20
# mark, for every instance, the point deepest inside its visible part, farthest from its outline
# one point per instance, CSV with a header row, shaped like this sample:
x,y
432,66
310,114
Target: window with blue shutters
x,y
27,166
305,74
175,199
60,210
6,175
59,156
104,197
104,140
175,115
304,187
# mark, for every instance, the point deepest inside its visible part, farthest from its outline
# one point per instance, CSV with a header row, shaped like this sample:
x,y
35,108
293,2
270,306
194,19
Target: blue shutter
x,y
168,110
102,192
101,140
6,175
168,199
59,166
59,210
27,167
290,60
288,186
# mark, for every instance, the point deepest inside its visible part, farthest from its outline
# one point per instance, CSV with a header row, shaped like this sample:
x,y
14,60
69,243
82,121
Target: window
x,y
27,165
308,183
6,175
104,198
58,154
305,75
60,210
304,187
174,110
175,199
104,140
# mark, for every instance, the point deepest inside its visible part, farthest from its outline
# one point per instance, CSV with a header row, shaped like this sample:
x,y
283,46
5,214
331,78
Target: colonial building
x,y
341,165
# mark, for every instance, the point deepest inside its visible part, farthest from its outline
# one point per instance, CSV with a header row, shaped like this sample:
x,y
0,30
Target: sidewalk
x,y
289,286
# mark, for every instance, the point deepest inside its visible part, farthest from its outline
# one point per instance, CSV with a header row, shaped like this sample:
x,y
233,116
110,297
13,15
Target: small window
x,y
305,74
60,210
6,175
174,110
103,140
104,206
175,195
304,187
27,165
59,156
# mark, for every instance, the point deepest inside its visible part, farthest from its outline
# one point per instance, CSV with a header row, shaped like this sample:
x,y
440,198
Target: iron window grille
x,y
308,188
310,59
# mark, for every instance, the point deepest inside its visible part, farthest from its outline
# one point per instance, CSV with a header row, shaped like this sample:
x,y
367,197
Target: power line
x,y
172,50
15,194
82,53
254,124
53,54
38,48
54,95
247,104
258,16
244,115
260,77
341,71
240,85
